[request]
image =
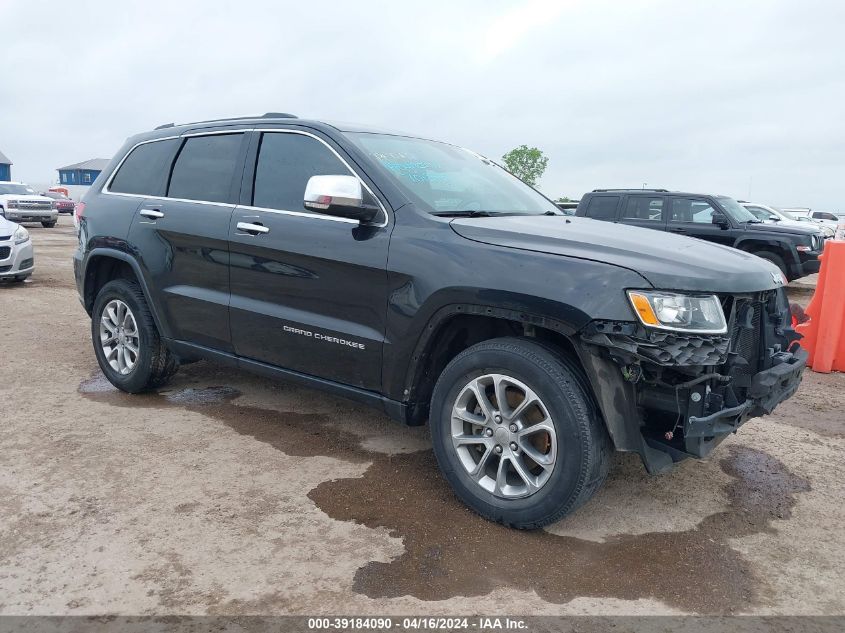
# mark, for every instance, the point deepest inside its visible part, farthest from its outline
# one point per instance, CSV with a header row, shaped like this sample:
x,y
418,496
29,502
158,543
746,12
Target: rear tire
x,y
777,260
121,322
490,464
49,225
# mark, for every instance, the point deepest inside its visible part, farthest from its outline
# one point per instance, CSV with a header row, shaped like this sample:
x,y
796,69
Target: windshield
x,y
15,189
736,210
444,179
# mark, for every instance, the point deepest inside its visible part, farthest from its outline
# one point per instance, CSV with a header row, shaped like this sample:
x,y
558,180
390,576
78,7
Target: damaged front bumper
x,y
669,396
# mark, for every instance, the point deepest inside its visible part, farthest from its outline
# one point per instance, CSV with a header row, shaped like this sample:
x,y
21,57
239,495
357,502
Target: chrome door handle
x,y
153,214
254,229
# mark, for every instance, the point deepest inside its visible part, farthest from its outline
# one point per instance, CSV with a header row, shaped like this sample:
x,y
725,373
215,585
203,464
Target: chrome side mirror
x,y
341,196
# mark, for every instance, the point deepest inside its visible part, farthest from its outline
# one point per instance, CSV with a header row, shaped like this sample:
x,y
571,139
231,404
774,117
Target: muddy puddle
x,y
450,551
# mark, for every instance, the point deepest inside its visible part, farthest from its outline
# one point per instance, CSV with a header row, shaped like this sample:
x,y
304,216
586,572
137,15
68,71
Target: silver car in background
x,y
17,260
768,213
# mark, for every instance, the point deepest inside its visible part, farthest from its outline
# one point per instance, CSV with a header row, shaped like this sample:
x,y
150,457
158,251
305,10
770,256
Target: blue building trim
x,y
5,171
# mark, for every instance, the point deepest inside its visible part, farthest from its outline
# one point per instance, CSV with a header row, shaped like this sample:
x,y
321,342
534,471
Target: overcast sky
x,y
718,97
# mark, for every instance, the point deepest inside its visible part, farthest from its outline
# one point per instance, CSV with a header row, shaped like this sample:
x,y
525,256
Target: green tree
x,y
526,163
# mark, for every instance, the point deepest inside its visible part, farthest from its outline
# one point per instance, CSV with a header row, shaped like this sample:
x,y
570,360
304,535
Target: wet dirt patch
x,y
451,552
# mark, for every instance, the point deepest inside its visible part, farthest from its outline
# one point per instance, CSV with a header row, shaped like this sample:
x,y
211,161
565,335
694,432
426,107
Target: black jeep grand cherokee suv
x,y
423,279
720,219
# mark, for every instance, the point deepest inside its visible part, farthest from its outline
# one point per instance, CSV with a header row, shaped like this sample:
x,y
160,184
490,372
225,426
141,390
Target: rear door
x,y
693,216
645,210
309,291
603,207
182,236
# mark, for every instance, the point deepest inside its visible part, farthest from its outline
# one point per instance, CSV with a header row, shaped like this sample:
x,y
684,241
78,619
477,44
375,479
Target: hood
x,y
7,228
25,197
667,261
793,228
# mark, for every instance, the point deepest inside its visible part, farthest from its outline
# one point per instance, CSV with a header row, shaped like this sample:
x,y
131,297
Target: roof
x,y
656,192
271,118
4,160
94,164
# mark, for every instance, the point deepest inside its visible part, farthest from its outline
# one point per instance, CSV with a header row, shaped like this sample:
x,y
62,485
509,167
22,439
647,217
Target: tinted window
x,y
644,208
602,207
691,210
204,168
145,168
285,163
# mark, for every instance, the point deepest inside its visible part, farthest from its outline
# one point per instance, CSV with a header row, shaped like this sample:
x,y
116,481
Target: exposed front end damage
x,y
669,395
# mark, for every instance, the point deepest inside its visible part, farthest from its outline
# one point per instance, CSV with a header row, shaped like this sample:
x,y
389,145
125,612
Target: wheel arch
x,y
456,327
783,249
105,264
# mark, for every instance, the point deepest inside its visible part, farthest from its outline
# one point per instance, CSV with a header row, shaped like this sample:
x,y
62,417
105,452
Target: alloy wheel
x,y
504,436
119,337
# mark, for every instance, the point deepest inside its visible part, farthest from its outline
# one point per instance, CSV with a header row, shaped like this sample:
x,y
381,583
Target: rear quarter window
x,y
602,207
145,169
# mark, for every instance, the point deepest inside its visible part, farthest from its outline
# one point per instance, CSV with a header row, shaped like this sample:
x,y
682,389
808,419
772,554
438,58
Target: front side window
x,y
691,210
602,207
443,179
205,167
285,163
644,208
144,170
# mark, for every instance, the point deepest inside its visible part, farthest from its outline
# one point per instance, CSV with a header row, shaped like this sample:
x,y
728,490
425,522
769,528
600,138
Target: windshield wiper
x,y
464,214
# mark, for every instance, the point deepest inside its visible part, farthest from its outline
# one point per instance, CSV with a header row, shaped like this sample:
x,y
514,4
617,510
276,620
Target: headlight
x,y
21,235
12,204
701,314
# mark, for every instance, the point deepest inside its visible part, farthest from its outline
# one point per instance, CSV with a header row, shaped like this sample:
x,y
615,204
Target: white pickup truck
x,y
20,203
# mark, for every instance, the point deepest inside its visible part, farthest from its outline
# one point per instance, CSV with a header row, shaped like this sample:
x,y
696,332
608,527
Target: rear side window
x,y
205,167
145,169
644,208
602,207
285,163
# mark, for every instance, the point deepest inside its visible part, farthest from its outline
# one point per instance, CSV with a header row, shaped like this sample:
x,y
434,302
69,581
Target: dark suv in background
x,y
720,219
423,279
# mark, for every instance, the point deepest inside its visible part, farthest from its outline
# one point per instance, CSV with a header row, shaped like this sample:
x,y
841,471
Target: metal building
x,y
83,173
5,167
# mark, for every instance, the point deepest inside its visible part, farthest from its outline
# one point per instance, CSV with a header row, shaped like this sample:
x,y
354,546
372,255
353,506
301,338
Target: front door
x,y
694,217
308,290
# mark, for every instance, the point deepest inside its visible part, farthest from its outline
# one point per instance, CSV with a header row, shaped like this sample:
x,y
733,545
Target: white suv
x,y
20,203
825,218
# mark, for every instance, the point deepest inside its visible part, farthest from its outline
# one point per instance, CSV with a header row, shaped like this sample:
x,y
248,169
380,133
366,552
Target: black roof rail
x,y
630,189
266,115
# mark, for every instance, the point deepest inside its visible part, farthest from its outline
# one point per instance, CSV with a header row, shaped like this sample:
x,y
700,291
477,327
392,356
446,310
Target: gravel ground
x,y
229,494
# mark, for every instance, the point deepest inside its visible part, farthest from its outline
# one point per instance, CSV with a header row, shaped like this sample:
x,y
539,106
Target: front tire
x,y
127,344
516,433
49,225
